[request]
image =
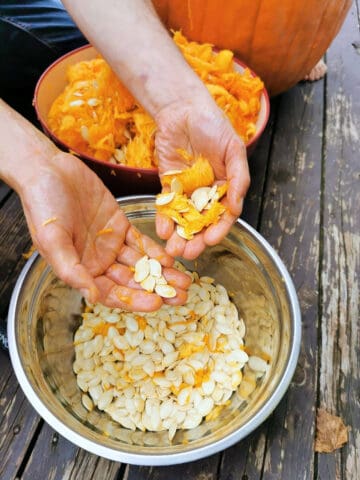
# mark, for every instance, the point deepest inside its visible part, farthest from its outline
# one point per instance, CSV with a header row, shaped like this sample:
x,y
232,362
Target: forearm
x,y
130,36
24,150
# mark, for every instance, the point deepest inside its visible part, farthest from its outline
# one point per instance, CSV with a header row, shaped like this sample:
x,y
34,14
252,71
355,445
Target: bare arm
x,y
65,217
130,36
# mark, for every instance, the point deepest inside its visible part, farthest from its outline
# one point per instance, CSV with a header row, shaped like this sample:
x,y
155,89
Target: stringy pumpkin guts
x,y
199,211
97,116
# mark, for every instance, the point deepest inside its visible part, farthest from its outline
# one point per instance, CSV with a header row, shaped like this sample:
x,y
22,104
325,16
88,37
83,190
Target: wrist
x,y
24,150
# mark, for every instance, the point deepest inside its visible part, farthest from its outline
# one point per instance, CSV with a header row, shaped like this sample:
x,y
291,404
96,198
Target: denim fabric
x,y
32,35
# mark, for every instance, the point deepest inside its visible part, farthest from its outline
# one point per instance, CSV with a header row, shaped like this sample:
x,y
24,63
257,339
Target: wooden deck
x,y
305,200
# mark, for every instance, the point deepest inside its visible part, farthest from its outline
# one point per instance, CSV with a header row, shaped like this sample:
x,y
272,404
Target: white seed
x,y
93,102
213,192
207,280
160,280
176,186
147,346
184,396
192,420
95,392
200,198
181,232
105,400
203,308
138,378
257,364
142,269
237,356
83,335
76,103
172,172
166,409
164,198
205,406
208,387
224,328
120,342
165,291
87,402
127,423
148,284
84,132
155,268
149,367
131,323
119,155
172,431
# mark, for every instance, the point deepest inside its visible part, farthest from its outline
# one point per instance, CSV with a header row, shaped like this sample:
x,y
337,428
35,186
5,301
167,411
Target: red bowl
x,y
120,179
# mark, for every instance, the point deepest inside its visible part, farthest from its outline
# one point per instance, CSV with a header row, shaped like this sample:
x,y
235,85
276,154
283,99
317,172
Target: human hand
x,y
200,127
79,229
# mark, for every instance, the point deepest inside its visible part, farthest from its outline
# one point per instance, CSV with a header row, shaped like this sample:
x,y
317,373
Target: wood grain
x,y
290,222
340,319
56,458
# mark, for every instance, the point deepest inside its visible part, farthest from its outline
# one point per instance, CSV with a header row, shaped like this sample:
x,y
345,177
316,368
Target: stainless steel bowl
x,y
44,313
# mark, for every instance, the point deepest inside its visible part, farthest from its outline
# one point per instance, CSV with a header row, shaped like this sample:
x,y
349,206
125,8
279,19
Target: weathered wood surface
x,y
339,382
304,199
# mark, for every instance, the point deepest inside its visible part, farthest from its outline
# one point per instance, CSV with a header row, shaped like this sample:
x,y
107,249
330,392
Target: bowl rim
x,y
118,166
156,459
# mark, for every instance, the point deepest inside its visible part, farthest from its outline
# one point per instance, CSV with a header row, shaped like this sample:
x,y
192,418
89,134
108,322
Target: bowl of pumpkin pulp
x,y
85,109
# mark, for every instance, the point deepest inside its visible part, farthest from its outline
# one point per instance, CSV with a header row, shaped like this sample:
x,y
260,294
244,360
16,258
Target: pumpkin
x,y
281,40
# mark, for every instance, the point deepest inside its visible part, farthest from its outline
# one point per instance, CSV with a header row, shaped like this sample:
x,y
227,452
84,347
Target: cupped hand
x,y
79,229
200,127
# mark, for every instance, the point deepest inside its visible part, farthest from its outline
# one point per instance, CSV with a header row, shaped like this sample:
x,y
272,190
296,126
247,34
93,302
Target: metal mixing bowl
x,y
44,313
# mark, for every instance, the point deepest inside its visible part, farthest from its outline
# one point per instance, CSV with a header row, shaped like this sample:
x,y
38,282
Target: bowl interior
x,y
46,313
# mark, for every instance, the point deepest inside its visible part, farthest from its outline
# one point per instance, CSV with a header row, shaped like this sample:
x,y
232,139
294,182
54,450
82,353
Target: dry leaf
x,y
331,433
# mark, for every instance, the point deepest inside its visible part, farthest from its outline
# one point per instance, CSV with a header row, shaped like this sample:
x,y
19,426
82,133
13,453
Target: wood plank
x,y
18,420
290,222
14,241
55,457
204,469
258,165
18,423
340,319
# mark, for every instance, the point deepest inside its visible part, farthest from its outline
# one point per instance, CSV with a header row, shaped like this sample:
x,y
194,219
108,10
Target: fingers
x,y
238,176
144,245
194,247
175,246
119,296
58,250
164,226
123,275
119,290
177,279
214,234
